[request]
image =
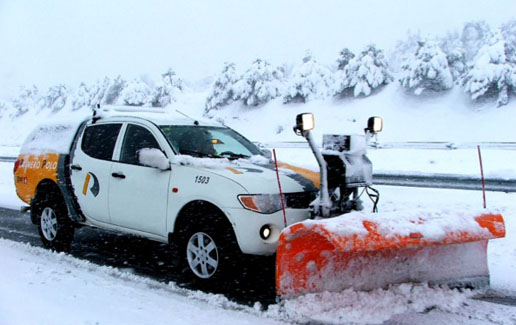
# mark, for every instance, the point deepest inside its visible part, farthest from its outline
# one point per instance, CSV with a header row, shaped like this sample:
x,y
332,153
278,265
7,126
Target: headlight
x,y
263,203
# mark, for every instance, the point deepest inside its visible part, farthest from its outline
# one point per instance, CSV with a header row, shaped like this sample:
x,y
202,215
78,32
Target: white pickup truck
x,y
163,177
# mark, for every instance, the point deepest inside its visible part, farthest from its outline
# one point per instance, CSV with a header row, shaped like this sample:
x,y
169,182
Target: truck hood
x,y
258,176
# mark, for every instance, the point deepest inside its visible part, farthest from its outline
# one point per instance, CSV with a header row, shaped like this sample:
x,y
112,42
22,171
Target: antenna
x,y
195,122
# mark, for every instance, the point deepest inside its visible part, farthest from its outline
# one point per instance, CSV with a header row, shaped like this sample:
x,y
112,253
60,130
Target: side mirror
x,y
154,158
304,122
374,124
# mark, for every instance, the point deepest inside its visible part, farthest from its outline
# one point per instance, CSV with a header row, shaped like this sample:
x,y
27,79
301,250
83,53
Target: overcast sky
x,y
47,42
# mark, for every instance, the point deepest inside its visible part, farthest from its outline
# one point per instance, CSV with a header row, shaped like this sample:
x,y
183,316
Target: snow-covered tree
x,y
98,90
493,72
475,34
427,70
81,98
27,99
345,56
114,90
168,89
55,98
223,88
259,84
136,93
309,81
403,50
451,45
4,107
366,72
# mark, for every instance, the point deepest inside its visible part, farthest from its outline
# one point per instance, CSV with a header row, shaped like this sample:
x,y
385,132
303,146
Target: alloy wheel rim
x,y
49,224
202,255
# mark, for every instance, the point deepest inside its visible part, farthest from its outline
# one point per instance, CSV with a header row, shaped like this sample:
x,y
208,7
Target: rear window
x,y
99,141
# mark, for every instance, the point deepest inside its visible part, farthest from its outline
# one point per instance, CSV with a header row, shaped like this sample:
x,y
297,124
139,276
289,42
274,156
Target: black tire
x,y
209,250
55,228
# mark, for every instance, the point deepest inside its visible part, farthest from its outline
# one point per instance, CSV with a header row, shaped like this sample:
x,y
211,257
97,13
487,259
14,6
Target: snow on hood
x,y
256,174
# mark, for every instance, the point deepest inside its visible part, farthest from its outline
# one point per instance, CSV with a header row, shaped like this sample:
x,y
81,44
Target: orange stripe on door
x,y
86,183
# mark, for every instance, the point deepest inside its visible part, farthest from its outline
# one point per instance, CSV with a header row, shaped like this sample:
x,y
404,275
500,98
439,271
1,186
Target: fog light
x,y
265,232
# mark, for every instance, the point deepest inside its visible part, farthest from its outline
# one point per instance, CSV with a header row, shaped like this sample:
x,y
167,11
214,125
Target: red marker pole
x,y
482,177
280,191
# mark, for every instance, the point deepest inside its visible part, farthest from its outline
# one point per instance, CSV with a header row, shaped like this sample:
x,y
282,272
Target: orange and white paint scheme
x,y
30,170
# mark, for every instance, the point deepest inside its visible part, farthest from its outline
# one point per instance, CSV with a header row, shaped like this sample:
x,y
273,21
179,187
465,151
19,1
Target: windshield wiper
x,y
231,155
198,154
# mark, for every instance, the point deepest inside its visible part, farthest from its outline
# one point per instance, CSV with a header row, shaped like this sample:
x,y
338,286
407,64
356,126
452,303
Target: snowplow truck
x,y
342,247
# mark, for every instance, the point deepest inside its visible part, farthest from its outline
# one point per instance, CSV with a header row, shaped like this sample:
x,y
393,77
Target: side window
x,y
98,141
136,138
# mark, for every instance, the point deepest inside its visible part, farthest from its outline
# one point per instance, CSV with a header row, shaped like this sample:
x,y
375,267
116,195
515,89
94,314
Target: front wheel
x,y
211,253
202,255
55,229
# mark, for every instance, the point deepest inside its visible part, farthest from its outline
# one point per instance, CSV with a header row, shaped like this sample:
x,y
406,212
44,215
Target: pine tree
x,y
56,97
136,93
366,72
27,98
345,56
169,88
475,34
98,92
114,90
493,72
451,45
259,84
223,88
82,97
309,81
426,70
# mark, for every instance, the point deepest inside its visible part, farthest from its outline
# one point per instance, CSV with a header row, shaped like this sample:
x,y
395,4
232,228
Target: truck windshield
x,y
208,141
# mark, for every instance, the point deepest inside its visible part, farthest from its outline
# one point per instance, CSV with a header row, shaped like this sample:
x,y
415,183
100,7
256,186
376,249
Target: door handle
x,y
76,167
118,175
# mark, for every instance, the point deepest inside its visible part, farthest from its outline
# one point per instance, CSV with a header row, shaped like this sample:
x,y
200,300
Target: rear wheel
x,y
55,228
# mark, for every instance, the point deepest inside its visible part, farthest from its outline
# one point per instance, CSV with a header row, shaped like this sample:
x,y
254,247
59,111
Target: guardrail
x,y
444,181
7,159
406,145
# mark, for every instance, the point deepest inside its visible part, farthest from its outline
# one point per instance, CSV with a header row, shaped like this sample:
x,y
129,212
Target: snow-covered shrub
x,y
81,98
475,34
136,93
114,90
223,92
493,72
366,72
309,81
259,84
168,89
427,69
55,99
27,99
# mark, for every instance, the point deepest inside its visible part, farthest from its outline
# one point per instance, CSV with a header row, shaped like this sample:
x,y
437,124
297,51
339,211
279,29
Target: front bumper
x,y
247,225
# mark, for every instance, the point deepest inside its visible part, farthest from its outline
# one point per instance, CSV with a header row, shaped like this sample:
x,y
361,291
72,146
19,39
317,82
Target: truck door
x,y
91,169
138,194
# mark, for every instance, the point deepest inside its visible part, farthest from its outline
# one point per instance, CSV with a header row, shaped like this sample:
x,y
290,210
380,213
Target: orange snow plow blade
x,y
368,251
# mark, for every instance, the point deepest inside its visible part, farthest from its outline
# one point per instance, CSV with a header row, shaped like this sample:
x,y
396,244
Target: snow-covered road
x,y
62,289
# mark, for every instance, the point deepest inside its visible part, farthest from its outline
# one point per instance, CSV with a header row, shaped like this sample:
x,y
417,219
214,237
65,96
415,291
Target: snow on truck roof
x,y
56,136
